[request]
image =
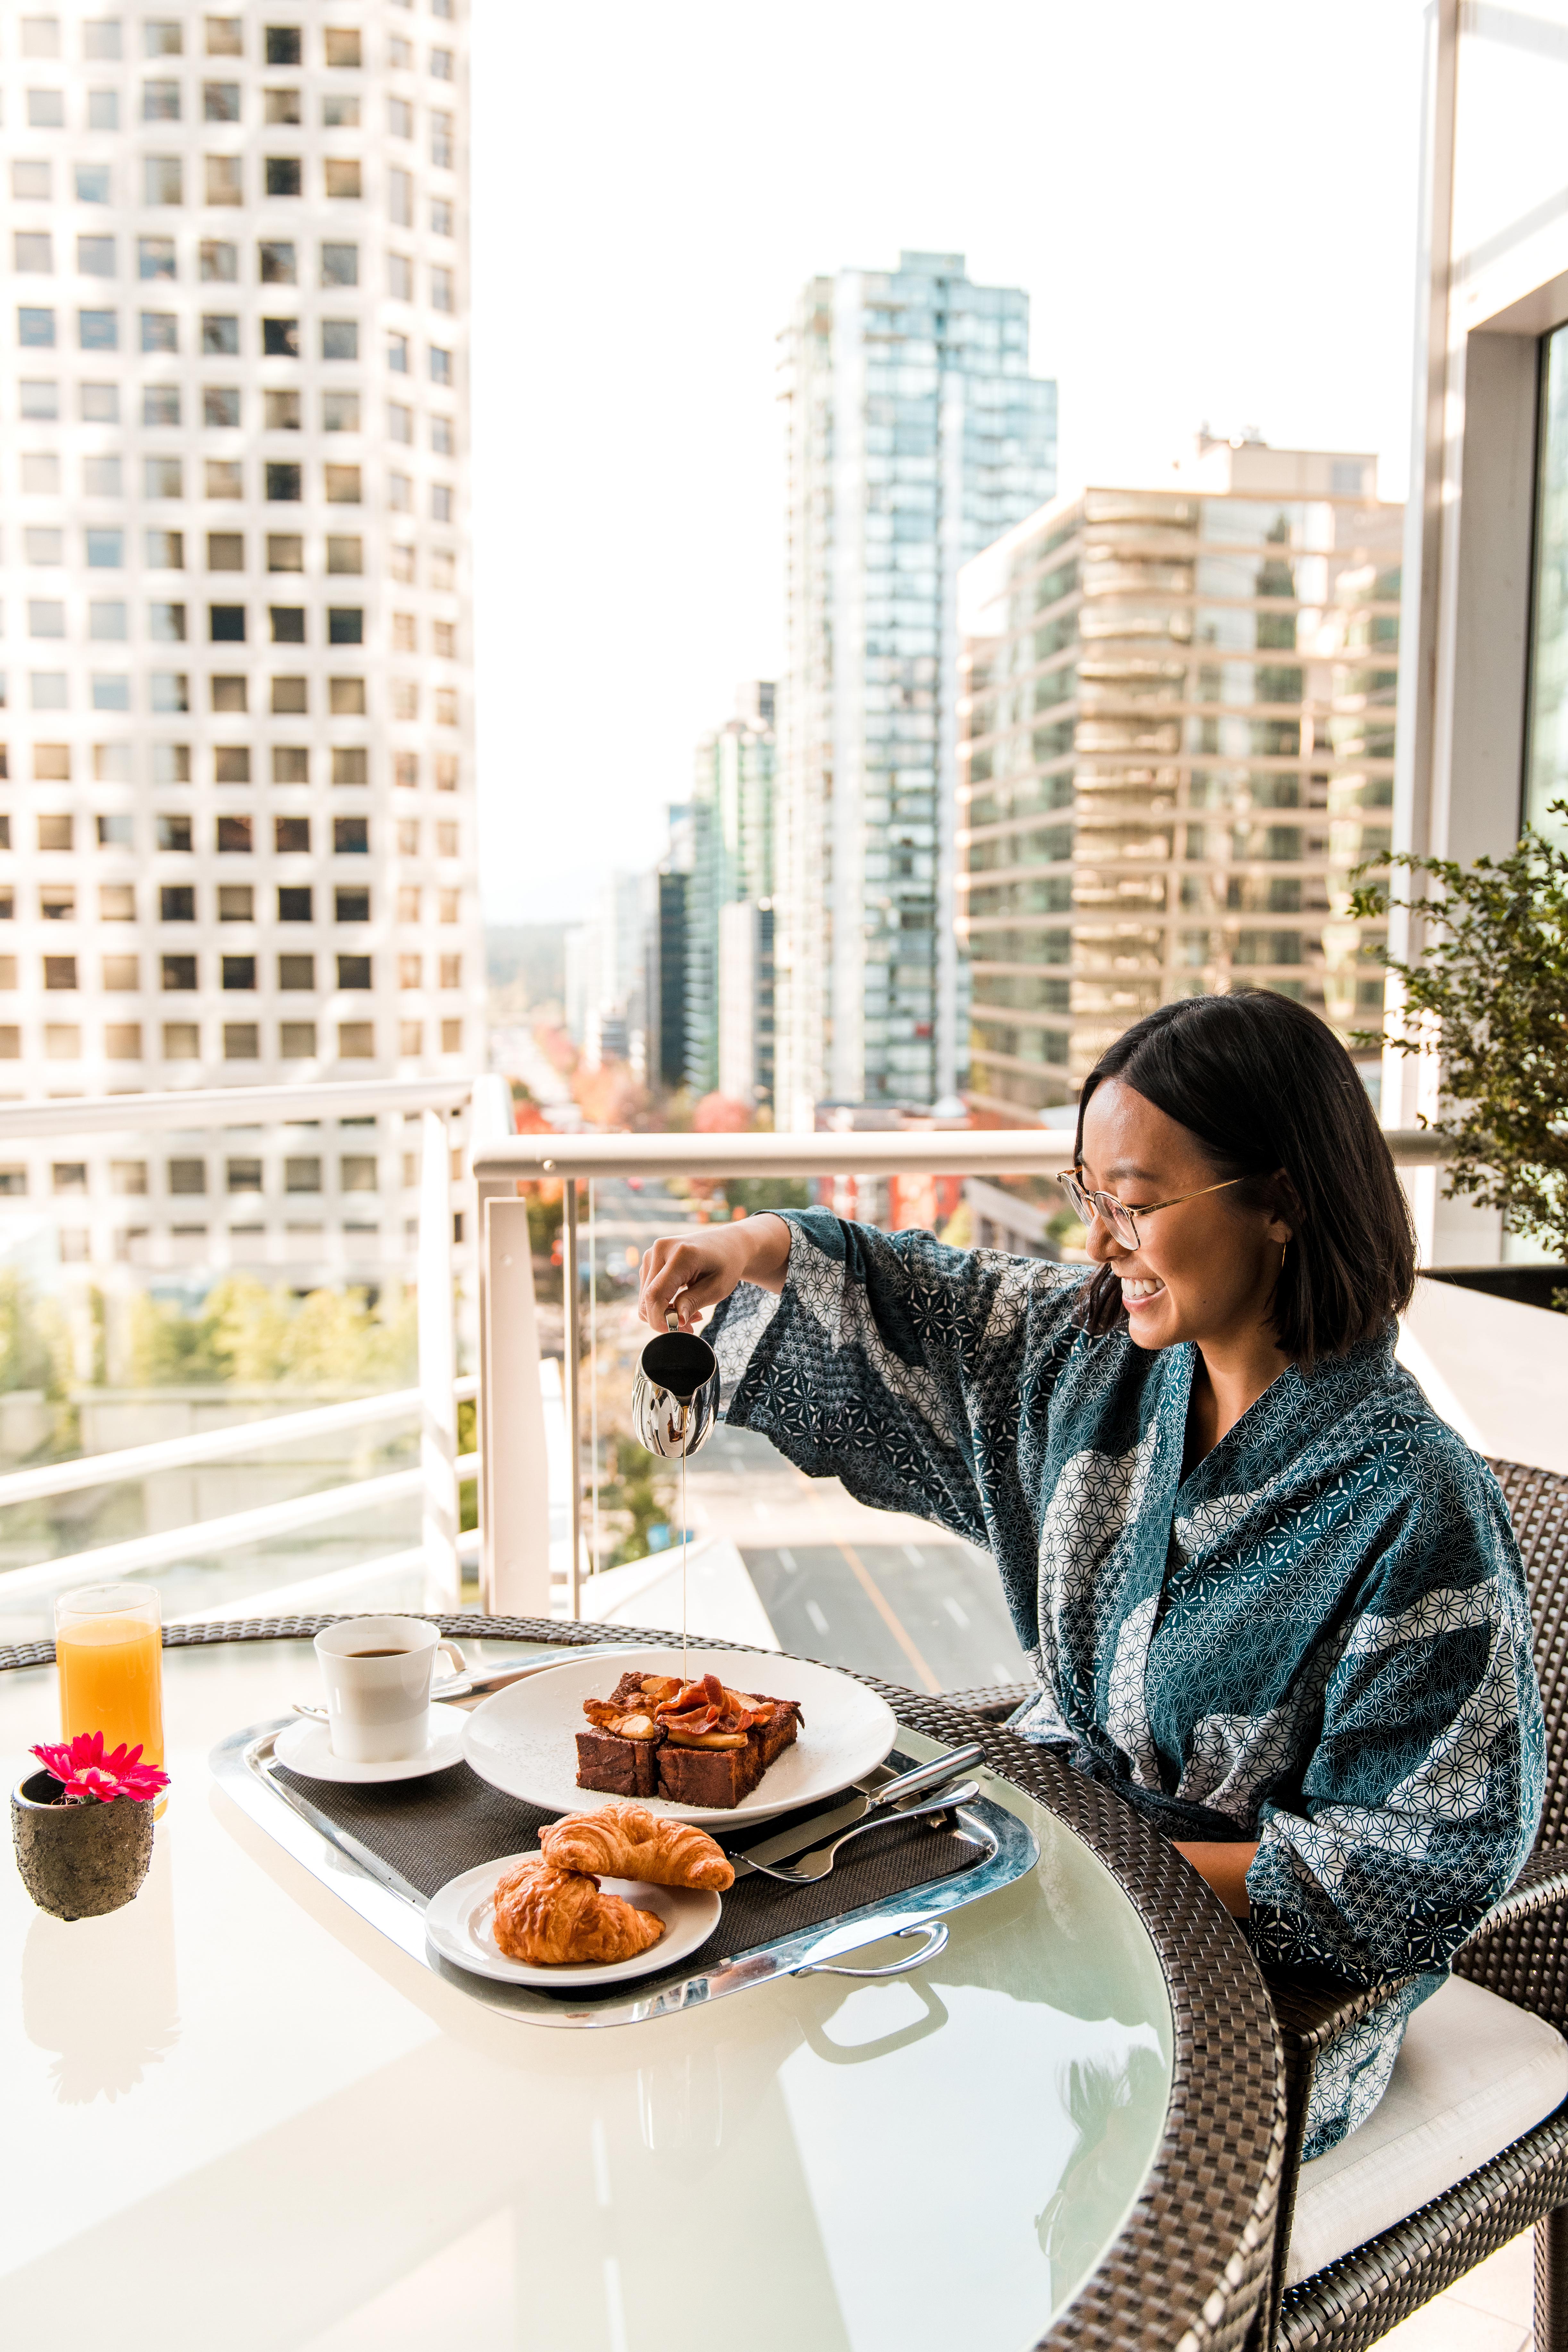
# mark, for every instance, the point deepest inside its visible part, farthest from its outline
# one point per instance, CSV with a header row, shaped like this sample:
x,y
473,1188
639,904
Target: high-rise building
x,y
667,981
665,987
731,817
239,820
916,435
608,984
1178,720
746,1002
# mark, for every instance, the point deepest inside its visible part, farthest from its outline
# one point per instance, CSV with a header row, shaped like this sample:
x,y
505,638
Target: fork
x,y
816,1865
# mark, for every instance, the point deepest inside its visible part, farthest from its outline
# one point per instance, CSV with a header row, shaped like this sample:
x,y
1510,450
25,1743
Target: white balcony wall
x,y
1493,281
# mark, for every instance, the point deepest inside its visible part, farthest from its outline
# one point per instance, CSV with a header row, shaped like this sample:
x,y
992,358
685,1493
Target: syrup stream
x,y
686,1540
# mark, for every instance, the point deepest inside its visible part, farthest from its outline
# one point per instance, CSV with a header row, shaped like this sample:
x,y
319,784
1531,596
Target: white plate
x,y
460,1923
524,1739
306,1747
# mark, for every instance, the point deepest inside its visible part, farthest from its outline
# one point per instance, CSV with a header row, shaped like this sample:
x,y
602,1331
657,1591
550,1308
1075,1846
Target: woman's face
x,y
1202,1271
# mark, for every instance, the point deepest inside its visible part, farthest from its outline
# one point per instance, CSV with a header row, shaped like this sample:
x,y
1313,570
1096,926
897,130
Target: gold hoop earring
x,y
1284,1248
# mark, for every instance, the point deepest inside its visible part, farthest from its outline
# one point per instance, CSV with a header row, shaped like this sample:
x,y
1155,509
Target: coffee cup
x,y
378,1673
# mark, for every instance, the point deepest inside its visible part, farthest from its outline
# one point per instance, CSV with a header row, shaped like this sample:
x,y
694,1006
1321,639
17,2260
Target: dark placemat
x,y
433,1829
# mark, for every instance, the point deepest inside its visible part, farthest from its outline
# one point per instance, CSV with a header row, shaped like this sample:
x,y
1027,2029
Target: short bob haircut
x,y
1269,1092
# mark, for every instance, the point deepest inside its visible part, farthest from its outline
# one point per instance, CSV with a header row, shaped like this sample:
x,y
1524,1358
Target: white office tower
x,y
916,435
607,975
239,819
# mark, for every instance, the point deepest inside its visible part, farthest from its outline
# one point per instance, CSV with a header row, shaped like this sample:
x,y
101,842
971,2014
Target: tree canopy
x,y
1491,997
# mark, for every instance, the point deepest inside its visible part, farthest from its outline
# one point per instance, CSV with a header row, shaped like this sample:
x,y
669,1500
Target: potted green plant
x,y
82,1826
1491,997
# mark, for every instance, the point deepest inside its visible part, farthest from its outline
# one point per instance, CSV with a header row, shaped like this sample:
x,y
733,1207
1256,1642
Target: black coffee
x,y
375,1653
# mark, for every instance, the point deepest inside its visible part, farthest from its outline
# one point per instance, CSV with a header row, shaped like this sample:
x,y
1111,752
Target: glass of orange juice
x,y
109,1647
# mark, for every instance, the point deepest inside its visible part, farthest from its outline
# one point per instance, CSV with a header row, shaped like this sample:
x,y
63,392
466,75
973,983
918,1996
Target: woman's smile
x,y
1140,1290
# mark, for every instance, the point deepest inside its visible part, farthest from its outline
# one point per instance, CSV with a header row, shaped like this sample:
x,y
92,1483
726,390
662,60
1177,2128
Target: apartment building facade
x,y
1178,723
238,821
916,435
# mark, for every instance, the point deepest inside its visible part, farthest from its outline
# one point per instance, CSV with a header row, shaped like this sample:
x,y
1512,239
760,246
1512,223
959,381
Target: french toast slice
x,y
719,1776
621,1768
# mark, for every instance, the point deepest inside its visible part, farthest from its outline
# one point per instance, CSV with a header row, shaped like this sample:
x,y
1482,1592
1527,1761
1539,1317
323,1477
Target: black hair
x,y
1268,1093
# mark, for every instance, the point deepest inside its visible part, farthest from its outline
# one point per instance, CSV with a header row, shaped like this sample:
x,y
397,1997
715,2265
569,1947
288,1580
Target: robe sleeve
x,y
898,1365
1421,1799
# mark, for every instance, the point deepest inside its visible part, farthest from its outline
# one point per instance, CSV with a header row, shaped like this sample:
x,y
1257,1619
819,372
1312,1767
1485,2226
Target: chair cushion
x,y
1473,2074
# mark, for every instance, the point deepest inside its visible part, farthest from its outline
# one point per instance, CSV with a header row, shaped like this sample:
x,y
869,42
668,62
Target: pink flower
x,y
83,1771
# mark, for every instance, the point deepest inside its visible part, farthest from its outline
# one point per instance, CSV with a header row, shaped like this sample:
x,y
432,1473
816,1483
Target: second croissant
x,y
629,1842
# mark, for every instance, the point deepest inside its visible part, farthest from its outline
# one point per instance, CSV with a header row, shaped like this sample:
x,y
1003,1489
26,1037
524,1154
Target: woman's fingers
x,y
686,1278
670,1271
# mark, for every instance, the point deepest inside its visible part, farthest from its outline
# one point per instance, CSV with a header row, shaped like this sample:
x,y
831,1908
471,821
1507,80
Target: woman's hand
x,y
686,1276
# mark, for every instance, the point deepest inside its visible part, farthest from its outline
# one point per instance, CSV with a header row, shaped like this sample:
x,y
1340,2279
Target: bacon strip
x,y
703,1707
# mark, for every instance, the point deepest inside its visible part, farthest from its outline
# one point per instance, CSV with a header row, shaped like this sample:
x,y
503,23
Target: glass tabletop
x,y
234,2100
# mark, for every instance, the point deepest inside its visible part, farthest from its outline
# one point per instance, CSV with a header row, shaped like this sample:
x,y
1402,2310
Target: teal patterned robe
x,y
1319,1639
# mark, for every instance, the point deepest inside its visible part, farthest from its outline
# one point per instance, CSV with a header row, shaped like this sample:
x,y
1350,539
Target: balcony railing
x,y
518,1469
515,1530
434,1565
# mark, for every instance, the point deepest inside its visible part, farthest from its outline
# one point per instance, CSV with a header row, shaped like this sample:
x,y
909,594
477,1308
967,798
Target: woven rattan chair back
x,y
1539,1502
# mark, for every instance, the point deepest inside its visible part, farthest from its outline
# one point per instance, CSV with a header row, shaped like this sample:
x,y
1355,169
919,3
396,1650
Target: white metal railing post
x,y
490,1121
437,1370
514,1486
514,1510
572,1388
591,1523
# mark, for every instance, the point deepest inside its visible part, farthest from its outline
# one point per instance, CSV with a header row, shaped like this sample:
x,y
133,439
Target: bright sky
x,y
1211,205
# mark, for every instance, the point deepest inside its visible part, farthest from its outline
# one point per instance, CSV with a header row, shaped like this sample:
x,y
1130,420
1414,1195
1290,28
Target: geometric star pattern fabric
x,y
1318,1638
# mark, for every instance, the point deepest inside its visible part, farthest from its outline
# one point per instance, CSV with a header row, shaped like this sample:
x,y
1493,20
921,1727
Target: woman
x,y
1267,1593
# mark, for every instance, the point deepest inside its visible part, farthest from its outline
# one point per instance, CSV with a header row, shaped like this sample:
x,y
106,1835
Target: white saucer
x,y
306,1747
460,1924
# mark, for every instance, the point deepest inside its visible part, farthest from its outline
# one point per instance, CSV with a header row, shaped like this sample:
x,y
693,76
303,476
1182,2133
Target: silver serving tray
x,y
242,1764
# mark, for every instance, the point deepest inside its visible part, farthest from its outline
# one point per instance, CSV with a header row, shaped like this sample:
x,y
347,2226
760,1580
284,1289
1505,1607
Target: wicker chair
x,y
1521,1953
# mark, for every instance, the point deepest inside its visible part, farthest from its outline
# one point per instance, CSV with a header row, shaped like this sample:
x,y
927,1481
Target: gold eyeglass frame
x,y
1107,1208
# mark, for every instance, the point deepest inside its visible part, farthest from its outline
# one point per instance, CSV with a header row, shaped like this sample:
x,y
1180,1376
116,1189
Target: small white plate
x,y
460,1923
524,1739
306,1747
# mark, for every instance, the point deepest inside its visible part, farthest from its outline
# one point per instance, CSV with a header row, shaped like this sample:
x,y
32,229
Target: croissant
x,y
629,1842
558,1918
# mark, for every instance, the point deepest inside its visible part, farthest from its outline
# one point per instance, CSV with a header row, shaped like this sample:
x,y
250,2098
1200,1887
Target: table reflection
x,y
103,1995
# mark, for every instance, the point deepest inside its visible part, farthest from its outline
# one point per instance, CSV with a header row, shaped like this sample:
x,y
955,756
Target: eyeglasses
x,y
1122,1220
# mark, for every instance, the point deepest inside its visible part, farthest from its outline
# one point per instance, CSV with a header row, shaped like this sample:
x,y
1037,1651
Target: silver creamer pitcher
x,y
675,1398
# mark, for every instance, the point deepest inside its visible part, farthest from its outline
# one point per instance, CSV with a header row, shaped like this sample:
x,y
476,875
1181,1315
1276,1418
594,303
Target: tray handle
x,y
934,1933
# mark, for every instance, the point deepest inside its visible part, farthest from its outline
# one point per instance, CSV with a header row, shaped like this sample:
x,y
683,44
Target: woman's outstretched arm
x,y
890,1360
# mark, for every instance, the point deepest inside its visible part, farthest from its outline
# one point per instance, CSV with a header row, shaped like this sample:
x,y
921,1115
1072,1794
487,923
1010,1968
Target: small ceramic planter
x,y
80,1861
